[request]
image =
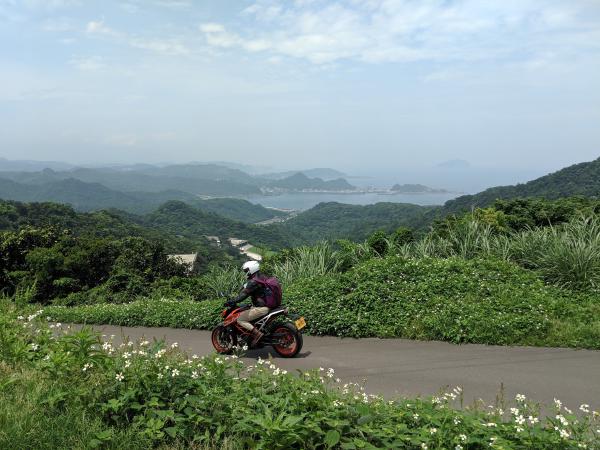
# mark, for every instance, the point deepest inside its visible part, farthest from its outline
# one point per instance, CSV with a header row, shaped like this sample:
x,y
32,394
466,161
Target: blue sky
x,y
350,84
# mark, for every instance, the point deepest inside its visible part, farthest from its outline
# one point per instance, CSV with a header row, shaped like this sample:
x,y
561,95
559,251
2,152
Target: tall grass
x,y
224,281
307,262
568,255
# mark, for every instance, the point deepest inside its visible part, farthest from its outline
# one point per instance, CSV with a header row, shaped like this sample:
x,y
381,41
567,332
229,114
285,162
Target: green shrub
x,y
455,300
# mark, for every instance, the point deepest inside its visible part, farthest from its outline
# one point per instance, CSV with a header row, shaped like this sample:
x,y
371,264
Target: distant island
x,y
416,189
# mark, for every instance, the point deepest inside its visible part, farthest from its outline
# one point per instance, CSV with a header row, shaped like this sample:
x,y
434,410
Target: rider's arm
x,y
246,291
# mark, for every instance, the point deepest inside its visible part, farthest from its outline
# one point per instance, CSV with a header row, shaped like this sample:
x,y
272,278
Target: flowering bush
x,y
155,392
478,301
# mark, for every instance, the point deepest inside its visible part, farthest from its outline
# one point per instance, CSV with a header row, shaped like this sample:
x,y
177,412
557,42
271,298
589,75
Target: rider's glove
x,y
230,303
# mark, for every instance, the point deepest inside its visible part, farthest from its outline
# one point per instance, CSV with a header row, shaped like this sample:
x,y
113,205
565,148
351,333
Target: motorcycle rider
x,y
256,292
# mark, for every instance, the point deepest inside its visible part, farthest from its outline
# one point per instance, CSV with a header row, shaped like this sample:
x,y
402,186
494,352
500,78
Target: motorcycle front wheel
x,y
223,339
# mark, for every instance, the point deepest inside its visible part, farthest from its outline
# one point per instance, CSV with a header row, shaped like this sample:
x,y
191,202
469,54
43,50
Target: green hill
x,y
337,220
136,180
237,209
179,218
299,181
577,180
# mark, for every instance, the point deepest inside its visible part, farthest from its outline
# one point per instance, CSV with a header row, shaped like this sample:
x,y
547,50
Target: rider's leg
x,y
254,313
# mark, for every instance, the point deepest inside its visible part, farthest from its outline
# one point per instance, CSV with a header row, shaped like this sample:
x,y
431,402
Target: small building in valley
x,y
189,260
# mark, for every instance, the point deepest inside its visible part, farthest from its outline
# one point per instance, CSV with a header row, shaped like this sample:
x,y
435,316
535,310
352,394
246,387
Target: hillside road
x,y
399,367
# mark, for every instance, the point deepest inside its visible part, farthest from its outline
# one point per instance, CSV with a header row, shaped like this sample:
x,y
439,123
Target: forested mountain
x,y
93,196
299,181
579,179
135,180
336,220
178,218
237,209
100,224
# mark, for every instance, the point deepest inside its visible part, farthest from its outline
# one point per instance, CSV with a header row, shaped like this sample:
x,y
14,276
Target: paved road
x,y
402,367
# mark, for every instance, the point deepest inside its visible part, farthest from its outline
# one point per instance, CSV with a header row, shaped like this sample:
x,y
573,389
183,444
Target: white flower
x,y
557,403
244,348
564,434
520,420
86,367
514,411
174,345
35,347
20,318
490,424
433,430
458,447
424,446
533,420
127,364
520,398
463,437
562,420
585,408
415,416
194,374
144,343
119,377
314,392
519,429
456,420
160,376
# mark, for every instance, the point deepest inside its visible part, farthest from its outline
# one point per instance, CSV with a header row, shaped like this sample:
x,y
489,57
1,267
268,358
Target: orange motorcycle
x,y
281,330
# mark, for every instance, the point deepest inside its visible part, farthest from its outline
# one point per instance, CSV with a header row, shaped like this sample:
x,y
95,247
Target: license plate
x,y
300,323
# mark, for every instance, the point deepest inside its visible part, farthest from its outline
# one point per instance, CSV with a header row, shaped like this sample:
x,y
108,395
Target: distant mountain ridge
x,y
579,179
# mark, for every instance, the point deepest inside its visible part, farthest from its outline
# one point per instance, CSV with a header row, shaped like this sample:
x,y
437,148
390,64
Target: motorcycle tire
x,y
291,340
223,340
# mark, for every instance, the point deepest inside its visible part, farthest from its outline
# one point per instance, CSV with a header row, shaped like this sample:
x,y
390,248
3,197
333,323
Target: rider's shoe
x,y
256,335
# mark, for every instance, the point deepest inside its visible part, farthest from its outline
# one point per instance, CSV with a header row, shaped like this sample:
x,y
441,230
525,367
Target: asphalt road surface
x,y
399,367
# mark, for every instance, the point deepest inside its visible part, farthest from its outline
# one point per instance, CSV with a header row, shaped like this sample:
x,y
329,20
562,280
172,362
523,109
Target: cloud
x,y
382,31
98,27
163,46
88,64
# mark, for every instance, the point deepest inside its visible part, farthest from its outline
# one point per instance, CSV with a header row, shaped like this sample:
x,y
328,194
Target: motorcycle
x,y
281,330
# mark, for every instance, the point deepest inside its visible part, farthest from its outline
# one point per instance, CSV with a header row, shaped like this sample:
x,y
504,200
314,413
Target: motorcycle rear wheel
x,y
290,340
223,340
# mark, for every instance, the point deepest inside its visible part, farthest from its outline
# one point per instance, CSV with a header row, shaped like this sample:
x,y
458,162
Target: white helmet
x,y
251,267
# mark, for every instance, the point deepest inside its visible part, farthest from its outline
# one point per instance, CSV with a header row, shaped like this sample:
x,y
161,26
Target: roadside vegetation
x,y
523,272
75,391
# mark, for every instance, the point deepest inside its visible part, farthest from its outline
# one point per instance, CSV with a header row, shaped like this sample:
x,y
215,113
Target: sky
x,y
350,84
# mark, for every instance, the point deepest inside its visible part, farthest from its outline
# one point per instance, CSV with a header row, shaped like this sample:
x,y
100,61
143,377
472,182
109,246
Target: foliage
x,y
149,393
455,300
303,262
